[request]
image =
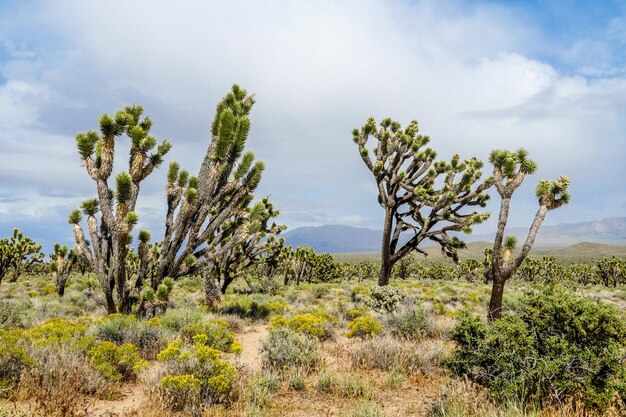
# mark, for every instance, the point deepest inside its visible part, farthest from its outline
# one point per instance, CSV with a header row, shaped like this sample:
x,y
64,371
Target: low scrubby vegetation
x,y
558,350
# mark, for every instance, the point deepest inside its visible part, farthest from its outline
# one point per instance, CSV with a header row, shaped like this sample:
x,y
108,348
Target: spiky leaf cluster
x,y
208,214
427,197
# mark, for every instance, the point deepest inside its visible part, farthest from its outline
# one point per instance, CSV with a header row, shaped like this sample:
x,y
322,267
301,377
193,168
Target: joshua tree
x,y
63,261
260,240
18,253
110,234
199,207
407,176
509,171
299,264
611,271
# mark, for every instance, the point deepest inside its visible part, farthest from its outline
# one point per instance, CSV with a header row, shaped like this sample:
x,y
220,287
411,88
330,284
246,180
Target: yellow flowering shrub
x,y
317,324
364,326
116,363
217,333
198,367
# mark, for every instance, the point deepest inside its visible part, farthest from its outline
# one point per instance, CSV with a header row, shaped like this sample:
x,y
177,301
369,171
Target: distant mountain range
x,y
348,239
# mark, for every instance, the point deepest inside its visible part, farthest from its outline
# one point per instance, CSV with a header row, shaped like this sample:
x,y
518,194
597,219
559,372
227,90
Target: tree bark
x,y
495,304
385,259
212,293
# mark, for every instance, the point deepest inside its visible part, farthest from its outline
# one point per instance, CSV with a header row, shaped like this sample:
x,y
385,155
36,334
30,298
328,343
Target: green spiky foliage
x,y
299,265
257,241
111,216
18,254
207,215
611,271
62,262
420,196
509,171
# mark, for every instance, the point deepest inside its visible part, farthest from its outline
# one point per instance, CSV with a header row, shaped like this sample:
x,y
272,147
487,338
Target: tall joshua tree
x,y
509,171
199,206
428,198
110,232
62,262
259,241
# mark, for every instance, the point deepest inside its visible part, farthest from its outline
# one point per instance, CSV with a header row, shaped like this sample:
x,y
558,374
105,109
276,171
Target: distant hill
x,y
611,231
348,239
335,238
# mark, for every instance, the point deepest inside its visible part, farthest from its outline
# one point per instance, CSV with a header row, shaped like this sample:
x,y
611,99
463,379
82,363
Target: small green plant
x,y
116,363
296,381
396,378
285,349
367,409
325,381
363,327
385,298
409,323
195,375
312,324
354,387
217,333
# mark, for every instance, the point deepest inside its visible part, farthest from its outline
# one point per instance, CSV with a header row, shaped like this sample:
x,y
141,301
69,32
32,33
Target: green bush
x,y
385,299
12,314
559,345
116,363
285,349
217,332
364,326
409,323
194,375
317,325
121,329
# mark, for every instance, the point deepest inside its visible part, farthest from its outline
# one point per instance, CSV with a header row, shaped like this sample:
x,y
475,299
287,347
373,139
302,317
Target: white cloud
x,y
319,69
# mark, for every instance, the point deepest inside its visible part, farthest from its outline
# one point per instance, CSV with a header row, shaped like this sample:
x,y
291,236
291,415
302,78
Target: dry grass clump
x,y
58,381
464,398
388,354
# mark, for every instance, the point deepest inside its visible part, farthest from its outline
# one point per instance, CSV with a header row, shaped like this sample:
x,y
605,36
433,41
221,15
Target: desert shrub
x,y
217,333
122,329
317,325
409,322
320,290
56,378
396,378
367,409
13,360
360,293
116,363
260,390
325,381
353,386
385,299
285,349
559,345
6,411
113,328
194,375
12,313
389,354
57,331
247,308
296,380
175,319
364,326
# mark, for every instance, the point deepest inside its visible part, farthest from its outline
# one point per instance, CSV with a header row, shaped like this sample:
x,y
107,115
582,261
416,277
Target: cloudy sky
x,y
548,76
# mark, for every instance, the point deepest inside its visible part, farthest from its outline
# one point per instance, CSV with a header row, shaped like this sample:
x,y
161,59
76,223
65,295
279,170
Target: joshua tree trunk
x,y
405,173
212,293
509,172
385,259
